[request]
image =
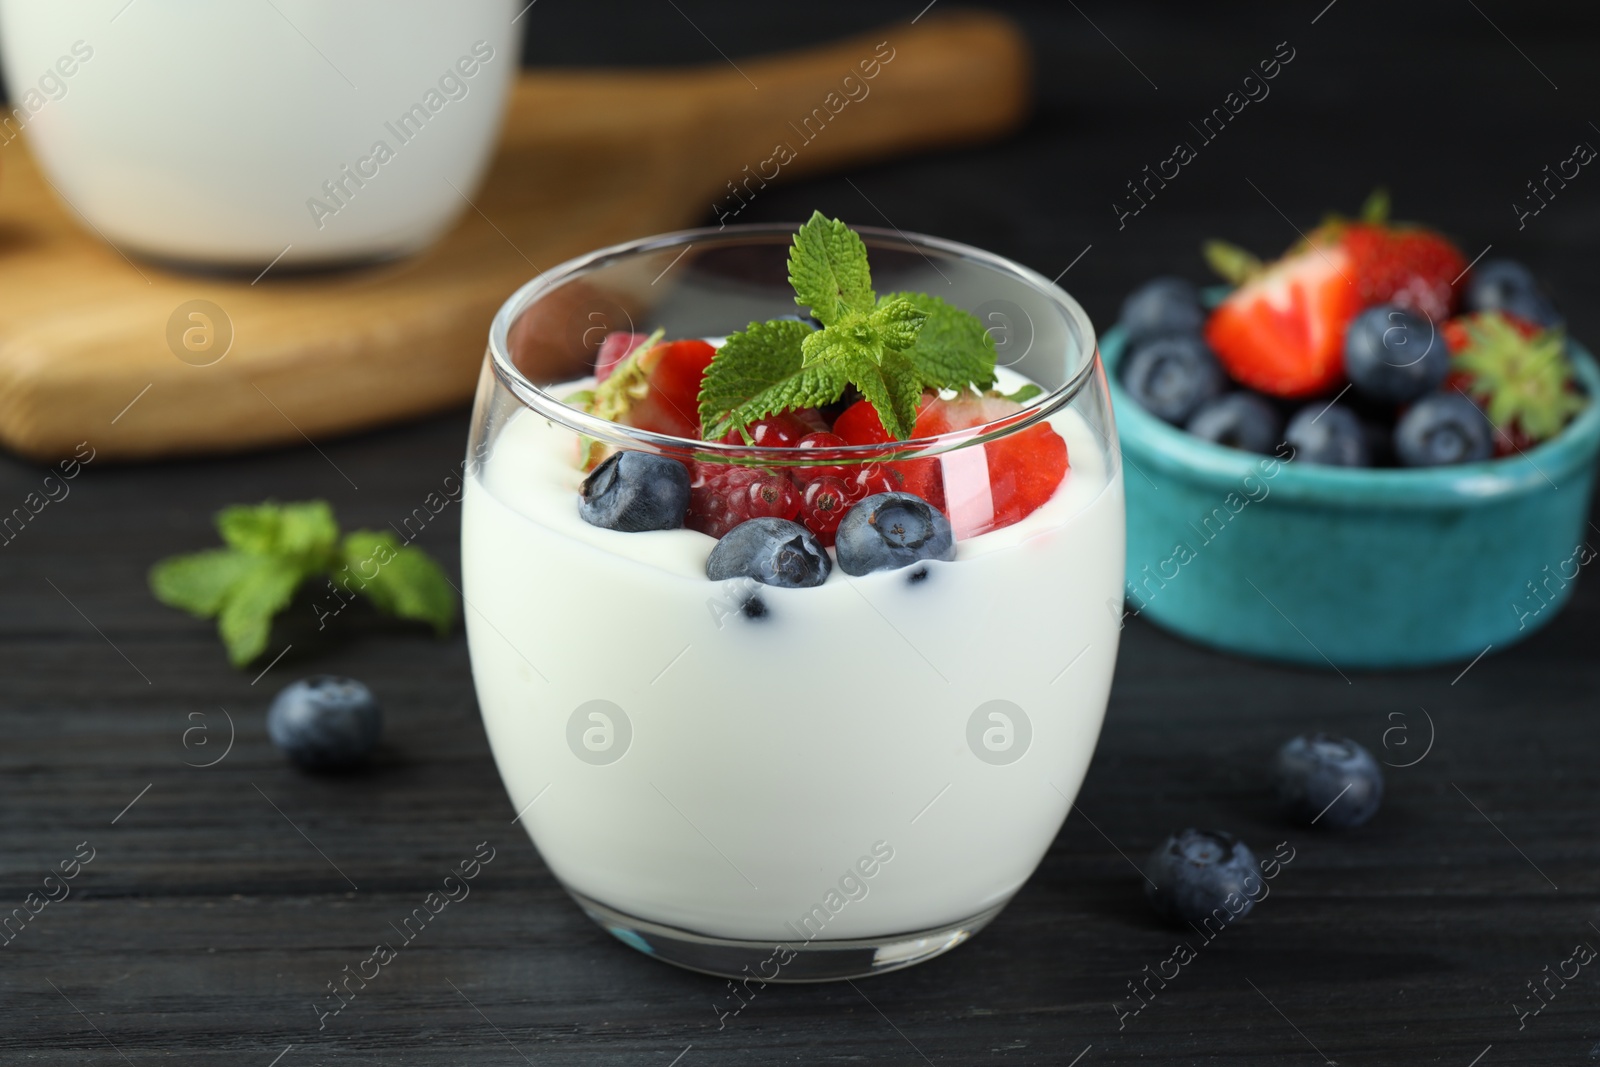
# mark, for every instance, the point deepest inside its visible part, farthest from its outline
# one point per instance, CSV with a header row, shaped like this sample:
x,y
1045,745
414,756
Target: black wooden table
x,y
221,900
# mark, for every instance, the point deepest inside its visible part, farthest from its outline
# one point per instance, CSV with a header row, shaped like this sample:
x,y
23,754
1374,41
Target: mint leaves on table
x,y
891,348
272,549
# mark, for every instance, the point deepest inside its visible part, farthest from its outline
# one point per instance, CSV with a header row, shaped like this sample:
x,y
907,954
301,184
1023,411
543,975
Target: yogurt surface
x,y
684,763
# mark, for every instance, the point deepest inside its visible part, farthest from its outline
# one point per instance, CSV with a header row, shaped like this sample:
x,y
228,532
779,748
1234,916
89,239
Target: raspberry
x,y
826,500
712,508
721,497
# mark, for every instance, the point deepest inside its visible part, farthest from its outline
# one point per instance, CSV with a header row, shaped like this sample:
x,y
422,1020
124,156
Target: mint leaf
x,y
263,590
304,532
808,388
828,269
891,349
1022,395
273,548
749,366
953,349
898,322
904,394
199,583
841,344
400,579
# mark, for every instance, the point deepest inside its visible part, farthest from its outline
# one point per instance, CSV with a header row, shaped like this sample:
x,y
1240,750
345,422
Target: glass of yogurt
x,y
790,784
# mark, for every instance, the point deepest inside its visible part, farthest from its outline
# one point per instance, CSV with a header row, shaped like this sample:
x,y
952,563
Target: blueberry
x,y
1172,375
1393,355
1506,285
634,491
1202,875
888,531
1443,428
1326,780
325,723
1328,434
1163,305
771,551
1238,420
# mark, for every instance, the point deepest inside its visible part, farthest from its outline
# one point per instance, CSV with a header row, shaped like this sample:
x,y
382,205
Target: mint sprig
x,y
890,348
828,269
273,549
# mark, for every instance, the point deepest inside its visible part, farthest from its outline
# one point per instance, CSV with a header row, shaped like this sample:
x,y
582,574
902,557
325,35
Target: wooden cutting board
x,y
586,159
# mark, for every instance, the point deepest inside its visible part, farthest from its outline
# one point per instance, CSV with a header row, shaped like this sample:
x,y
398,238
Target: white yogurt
x,y
760,759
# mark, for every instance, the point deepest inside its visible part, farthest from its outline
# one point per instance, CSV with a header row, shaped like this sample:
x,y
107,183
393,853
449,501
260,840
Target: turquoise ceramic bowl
x,y
1341,568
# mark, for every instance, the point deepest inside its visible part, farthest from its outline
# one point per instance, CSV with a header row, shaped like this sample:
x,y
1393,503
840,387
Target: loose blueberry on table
x,y
325,723
1388,312
1328,781
1202,874
860,371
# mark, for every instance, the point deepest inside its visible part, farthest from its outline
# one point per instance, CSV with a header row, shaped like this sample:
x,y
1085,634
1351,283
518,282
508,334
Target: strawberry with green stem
x,y
1518,373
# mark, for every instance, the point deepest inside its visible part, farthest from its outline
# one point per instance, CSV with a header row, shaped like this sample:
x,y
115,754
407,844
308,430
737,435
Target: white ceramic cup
x,y
230,132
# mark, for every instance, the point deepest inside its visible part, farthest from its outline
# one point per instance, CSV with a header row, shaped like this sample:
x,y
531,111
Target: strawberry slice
x,y
673,371
859,425
1024,468
1017,473
1282,332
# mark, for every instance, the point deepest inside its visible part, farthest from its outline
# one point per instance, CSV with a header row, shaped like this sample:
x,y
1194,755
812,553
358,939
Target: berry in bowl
x,y
1361,455
792,607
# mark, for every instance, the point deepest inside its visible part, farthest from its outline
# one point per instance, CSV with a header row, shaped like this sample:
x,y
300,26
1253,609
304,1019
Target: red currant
x,y
871,480
771,493
774,431
803,475
826,500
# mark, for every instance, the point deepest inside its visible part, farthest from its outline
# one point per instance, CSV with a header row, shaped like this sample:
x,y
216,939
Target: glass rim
x,y
540,400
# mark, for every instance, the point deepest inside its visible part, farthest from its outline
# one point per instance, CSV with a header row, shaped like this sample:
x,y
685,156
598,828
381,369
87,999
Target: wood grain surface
x,y
587,159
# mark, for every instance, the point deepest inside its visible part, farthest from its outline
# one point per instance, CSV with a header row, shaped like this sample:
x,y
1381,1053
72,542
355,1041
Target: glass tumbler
x,y
789,784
